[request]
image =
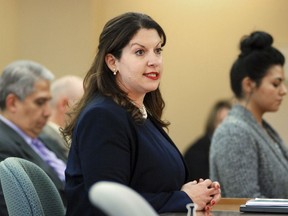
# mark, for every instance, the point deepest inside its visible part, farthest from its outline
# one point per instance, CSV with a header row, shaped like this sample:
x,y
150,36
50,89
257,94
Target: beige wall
x,y
203,37
9,31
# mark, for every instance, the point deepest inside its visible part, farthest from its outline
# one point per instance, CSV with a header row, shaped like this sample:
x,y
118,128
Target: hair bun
x,y
257,40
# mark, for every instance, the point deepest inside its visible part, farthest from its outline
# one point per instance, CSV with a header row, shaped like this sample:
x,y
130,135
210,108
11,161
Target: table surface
x,y
225,207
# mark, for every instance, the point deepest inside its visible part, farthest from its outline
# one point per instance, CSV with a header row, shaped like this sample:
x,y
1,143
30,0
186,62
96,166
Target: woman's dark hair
x,y
256,57
116,34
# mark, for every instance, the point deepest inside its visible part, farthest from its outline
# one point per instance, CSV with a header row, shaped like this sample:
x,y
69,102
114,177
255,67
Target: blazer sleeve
x,y
172,201
103,141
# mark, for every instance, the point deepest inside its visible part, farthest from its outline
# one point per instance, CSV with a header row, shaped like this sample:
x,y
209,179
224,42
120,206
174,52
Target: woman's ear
x,y
111,62
248,86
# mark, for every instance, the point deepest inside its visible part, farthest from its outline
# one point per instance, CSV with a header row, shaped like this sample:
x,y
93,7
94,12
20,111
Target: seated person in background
x,y
66,91
116,129
24,111
197,155
247,155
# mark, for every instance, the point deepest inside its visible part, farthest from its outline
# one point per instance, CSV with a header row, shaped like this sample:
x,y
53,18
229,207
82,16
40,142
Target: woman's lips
x,y
152,75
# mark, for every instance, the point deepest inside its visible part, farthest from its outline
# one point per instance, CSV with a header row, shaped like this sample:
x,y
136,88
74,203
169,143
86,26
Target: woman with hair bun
x,y
247,155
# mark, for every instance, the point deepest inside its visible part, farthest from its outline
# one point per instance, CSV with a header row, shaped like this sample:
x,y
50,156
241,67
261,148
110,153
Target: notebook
x,y
265,206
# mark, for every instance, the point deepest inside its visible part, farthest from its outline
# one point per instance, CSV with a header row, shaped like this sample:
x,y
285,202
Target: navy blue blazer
x,y
108,145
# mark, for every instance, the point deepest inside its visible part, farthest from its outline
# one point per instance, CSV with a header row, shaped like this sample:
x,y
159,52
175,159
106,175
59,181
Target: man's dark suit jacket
x,y
13,145
49,133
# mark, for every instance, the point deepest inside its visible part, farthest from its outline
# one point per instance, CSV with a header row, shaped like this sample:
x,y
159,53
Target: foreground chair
x,y
28,190
119,200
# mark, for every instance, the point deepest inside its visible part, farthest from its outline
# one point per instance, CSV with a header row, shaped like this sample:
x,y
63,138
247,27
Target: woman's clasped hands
x,y
203,193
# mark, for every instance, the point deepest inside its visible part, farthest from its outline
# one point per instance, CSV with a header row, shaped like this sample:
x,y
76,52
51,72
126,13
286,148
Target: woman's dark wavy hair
x,y
116,34
256,57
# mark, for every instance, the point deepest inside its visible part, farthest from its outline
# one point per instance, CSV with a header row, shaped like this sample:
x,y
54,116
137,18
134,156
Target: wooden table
x,y
230,204
225,207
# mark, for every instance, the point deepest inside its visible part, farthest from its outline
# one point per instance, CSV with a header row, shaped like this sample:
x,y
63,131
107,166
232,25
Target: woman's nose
x,y
154,59
284,89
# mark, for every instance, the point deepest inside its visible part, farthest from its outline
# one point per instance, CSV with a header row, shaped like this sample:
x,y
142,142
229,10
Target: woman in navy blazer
x,y
116,128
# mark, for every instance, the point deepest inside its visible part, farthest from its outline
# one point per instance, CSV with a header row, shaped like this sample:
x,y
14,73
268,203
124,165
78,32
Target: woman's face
x,y
269,95
140,66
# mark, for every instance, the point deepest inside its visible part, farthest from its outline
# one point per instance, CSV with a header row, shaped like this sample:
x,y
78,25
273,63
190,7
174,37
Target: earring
x,y
115,71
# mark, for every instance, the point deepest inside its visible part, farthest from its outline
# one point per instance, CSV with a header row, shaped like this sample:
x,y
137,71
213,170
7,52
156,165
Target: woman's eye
x,y
276,84
159,50
139,52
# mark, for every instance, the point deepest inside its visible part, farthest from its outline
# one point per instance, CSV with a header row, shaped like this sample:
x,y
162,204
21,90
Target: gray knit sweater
x,y
246,160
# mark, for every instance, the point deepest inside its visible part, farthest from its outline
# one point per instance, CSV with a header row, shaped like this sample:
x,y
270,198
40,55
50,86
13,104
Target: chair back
x,y
28,190
119,200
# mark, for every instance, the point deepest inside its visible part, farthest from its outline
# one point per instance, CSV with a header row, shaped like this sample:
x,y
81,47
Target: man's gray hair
x,y
19,78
